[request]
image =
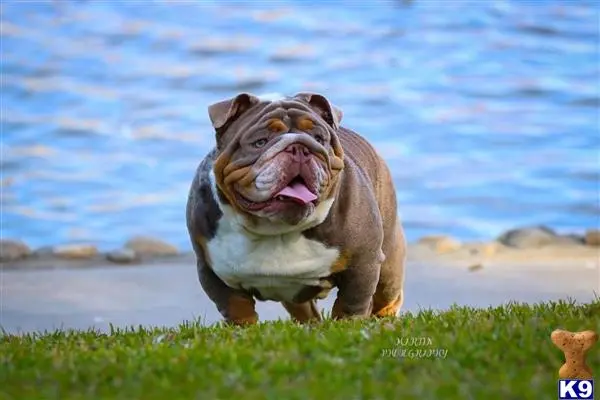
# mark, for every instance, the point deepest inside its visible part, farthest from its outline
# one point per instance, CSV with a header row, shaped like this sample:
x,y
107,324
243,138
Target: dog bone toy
x,y
575,345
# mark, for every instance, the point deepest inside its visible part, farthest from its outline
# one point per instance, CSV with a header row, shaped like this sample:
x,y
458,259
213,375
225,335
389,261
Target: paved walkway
x,y
169,293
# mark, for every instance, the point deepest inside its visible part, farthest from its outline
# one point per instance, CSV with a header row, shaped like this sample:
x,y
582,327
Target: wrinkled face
x,y
278,161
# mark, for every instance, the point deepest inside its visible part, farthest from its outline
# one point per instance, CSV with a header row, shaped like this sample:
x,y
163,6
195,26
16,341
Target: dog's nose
x,y
299,152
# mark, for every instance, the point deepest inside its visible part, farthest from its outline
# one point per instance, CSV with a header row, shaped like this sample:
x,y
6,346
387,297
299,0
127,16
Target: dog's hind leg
x,y
389,295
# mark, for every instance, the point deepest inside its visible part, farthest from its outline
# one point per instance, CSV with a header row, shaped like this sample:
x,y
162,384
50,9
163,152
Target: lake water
x,y
487,111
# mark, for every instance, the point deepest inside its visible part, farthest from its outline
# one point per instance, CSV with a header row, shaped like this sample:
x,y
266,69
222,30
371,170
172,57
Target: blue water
x,y
487,111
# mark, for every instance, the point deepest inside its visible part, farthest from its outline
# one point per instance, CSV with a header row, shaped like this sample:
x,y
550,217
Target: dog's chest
x,y
277,267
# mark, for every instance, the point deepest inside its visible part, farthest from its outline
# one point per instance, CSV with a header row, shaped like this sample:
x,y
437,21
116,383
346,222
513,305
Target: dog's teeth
x,y
280,198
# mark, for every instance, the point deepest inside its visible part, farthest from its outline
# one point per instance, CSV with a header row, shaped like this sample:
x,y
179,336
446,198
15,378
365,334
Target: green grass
x,y
497,353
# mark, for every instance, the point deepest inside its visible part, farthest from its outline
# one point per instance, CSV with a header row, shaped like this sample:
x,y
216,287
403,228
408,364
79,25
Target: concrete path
x,y
165,294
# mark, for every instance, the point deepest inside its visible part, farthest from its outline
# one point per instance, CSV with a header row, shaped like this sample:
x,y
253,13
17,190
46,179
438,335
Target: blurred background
x,y
487,112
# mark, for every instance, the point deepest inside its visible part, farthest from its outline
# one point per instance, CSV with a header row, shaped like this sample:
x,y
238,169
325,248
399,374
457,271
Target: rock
x,y
580,239
568,240
44,251
13,250
592,237
529,237
122,256
440,244
483,249
75,251
536,237
144,245
475,267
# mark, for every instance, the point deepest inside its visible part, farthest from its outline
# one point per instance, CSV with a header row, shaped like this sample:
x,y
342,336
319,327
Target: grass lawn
x,y
463,353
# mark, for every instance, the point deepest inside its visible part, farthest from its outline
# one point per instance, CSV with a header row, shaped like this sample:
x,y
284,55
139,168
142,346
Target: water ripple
x,y
485,112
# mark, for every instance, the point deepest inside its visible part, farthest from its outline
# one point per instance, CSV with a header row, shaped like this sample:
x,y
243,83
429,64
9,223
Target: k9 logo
x,y
576,389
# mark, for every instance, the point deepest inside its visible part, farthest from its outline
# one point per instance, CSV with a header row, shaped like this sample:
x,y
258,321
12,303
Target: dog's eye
x,y
259,143
320,139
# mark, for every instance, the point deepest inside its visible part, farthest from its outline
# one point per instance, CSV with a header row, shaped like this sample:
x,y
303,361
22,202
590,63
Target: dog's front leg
x,y
236,306
356,287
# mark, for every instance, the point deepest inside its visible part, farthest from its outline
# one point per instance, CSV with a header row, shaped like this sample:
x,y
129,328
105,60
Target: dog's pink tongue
x,y
298,192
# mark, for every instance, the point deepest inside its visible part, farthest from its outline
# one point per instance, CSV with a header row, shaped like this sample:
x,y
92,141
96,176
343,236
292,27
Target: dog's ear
x,y
224,112
330,113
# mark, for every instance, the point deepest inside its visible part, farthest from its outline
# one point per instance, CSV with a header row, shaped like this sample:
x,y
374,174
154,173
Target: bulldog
x,y
287,206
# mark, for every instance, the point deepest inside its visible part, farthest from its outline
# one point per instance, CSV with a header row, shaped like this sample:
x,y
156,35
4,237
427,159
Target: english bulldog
x,y
287,206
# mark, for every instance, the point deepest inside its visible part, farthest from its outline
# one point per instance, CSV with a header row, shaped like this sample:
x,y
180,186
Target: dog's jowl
x,y
290,204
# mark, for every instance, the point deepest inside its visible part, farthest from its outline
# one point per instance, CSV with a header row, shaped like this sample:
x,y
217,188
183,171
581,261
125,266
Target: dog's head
x,y
278,162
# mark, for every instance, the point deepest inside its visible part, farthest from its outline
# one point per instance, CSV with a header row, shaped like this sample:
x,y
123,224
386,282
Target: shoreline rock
x,y
13,250
519,243
440,243
75,251
122,256
535,237
149,246
592,237
485,249
43,251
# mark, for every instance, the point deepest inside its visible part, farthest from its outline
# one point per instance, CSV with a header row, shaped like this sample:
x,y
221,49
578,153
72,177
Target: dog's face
x,y
278,161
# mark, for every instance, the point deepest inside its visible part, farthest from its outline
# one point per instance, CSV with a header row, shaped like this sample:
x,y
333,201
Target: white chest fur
x,y
277,266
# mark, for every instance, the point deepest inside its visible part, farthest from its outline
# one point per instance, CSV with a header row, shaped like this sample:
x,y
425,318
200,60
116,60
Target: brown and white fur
x,y
338,229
